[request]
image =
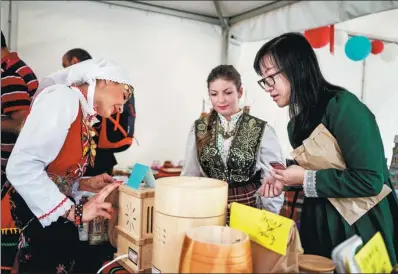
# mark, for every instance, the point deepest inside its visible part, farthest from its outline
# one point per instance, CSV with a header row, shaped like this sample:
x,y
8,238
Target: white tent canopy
x,y
206,11
250,21
304,15
256,20
170,46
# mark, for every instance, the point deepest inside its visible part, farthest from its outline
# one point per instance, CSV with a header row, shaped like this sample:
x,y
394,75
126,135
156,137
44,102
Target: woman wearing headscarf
x,y
53,150
323,113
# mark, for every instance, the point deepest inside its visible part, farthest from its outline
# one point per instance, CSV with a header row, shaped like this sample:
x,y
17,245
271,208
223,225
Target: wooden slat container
x,y
139,251
216,249
182,203
315,264
136,208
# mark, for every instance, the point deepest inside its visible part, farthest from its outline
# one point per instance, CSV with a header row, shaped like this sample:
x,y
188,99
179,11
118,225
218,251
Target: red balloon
x,y
318,37
377,46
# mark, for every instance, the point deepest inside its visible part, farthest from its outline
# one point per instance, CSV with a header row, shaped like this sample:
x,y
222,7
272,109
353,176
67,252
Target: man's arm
x,y
15,102
13,122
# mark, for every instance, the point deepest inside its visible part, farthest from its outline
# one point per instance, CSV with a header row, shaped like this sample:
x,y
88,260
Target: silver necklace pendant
x,y
226,135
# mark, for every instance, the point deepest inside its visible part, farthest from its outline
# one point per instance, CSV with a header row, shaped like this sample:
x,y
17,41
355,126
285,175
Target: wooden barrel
x,y
191,197
216,249
315,264
182,203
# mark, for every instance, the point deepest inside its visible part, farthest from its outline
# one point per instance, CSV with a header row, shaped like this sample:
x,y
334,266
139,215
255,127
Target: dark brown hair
x,y
3,41
80,54
225,72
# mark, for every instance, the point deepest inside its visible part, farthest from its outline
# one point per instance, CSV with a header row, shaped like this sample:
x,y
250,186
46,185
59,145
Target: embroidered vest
x,y
242,156
76,153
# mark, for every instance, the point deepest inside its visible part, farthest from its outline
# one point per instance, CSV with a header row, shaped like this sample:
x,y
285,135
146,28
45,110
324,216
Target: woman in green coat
x,y
291,75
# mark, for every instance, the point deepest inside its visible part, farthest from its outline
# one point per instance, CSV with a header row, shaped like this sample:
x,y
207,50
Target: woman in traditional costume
x,y
231,145
53,150
324,112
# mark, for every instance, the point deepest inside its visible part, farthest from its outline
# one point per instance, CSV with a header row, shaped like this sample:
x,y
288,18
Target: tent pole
x,y
225,32
9,21
12,36
224,48
162,10
363,79
223,21
370,36
261,10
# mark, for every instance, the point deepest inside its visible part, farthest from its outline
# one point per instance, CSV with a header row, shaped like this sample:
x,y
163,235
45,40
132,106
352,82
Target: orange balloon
x,y
318,37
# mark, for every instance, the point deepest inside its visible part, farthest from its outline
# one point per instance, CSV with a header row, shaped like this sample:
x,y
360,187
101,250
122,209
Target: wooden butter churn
x,y
182,203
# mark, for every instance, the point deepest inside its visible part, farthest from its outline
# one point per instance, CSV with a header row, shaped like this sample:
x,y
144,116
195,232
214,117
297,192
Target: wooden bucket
x,y
315,264
182,203
216,249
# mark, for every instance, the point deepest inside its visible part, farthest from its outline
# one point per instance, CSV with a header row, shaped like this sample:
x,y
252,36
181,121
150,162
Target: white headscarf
x,y
85,72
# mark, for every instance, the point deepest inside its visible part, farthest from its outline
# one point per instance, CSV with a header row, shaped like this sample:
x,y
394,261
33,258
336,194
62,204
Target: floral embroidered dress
x,y
239,152
53,247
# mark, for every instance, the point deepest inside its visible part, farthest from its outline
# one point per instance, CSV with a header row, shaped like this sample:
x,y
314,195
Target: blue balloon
x,y
358,48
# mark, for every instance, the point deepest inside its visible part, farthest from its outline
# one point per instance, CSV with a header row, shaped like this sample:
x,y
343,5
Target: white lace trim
x,y
309,185
54,216
90,95
123,82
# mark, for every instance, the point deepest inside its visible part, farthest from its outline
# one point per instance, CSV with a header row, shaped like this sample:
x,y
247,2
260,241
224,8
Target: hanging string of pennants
x,y
356,48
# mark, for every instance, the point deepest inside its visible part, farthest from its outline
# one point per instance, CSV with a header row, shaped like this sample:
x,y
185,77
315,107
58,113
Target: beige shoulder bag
x,y
321,151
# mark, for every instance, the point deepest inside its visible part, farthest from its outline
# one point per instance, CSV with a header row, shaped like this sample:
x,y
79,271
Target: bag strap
x,y
116,123
103,142
294,203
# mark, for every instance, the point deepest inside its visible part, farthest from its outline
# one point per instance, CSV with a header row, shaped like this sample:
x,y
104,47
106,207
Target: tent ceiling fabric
x,y
204,11
381,25
304,15
251,21
228,8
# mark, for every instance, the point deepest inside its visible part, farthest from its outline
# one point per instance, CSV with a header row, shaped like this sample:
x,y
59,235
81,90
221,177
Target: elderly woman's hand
x,y
96,205
96,183
291,176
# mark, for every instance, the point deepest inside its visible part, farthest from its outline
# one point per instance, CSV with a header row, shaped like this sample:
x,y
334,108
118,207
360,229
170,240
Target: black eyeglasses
x,y
268,81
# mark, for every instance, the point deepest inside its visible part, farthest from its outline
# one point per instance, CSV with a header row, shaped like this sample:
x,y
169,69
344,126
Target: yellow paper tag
x,y
263,227
373,256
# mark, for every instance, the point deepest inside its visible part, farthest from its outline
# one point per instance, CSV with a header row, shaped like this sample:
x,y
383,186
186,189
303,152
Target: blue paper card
x,y
141,173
